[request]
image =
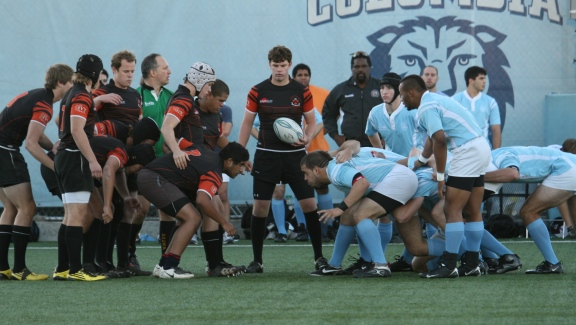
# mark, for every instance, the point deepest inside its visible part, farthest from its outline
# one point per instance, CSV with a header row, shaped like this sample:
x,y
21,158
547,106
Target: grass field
x,y
286,294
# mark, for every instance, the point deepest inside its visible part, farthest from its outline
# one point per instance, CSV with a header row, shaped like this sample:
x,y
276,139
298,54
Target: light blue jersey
x,y
534,163
373,169
398,129
368,152
426,185
437,113
484,109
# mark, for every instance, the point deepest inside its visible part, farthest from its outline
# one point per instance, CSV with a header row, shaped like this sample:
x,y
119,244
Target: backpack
x,y
502,226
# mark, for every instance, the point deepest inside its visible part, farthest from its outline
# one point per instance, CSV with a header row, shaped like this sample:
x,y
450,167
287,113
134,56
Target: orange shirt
x,y
319,96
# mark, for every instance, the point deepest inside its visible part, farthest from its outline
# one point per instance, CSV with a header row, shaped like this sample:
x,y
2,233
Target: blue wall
x,y
527,47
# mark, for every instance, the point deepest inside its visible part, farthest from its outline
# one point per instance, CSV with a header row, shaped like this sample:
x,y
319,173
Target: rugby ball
x,y
287,130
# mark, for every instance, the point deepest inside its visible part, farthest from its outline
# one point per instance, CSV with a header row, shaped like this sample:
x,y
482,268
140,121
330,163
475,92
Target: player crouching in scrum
x,y
185,193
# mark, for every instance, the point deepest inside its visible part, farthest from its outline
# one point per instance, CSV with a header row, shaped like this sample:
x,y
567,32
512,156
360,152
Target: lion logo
x,y
452,46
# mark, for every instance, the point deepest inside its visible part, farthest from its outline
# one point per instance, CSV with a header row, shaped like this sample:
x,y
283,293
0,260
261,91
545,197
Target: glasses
x,y
360,54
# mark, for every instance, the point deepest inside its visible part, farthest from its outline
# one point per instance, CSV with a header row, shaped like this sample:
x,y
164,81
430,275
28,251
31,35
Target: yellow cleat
x,y
26,275
60,276
6,274
84,276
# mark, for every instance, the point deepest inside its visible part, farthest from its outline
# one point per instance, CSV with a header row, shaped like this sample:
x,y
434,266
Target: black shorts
x,y
465,183
14,168
164,195
385,202
270,168
73,172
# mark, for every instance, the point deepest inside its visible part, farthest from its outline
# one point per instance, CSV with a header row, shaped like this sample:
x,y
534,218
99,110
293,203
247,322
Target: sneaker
x,y
493,265
84,276
134,271
26,275
60,276
470,264
156,271
226,270
376,270
400,265
134,262
571,233
6,274
439,234
281,238
326,270
175,273
227,239
547,268
255,267
446,267
359,264
302,233
507,263
194,240
320,262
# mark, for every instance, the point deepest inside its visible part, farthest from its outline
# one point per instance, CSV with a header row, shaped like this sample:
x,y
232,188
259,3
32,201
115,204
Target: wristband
x,y
439,176
422,159
343,206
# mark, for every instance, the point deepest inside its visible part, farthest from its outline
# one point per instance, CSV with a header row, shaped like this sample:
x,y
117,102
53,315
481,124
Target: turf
x,y
286,294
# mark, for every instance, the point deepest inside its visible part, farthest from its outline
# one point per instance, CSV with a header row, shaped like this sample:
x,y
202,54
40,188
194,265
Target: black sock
x,y
133,235
220,243
258,231
63,261
91,241
114,225
5,237
172,261
21,237
103,242
315,232
122,243
165,232
210,240
74,239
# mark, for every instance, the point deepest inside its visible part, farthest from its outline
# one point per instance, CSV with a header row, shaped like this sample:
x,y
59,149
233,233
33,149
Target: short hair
x,y
219,88
360,55
148,64
145,129
280,53
79,78
58,73
473,72
235,151
430,66
318,158
117,58
104,72
415,82
569,145
301,66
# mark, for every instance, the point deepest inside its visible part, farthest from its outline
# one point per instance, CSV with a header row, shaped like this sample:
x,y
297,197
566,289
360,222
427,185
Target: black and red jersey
x,y
212,126
34,106
183,107
271,102
106,147
203,172
112,128
128,112
77,103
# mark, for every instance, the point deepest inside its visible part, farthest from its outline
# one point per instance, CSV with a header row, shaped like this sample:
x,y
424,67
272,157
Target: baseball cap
x,y
200,73
89,65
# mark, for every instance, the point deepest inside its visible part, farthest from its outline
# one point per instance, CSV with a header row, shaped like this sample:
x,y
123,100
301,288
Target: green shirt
x,y
155,108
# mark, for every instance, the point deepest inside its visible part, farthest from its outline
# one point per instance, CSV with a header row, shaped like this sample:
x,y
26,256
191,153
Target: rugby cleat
x,y
85,276
547,268
60,276
26,275
507,263
6,274
255,267
175,273
376,270
327,270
